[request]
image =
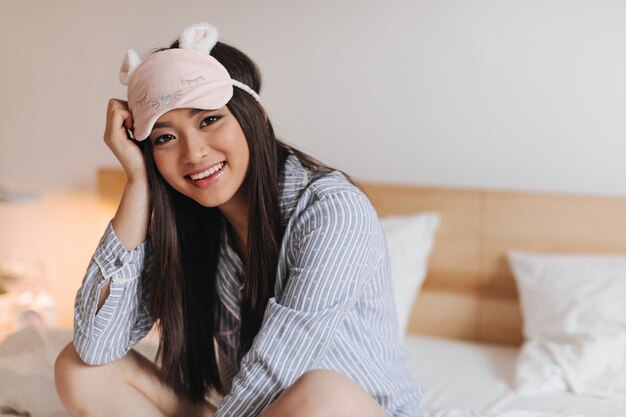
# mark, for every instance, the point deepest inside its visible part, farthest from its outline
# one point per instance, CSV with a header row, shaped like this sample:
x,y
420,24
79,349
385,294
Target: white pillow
x,y
574,310
409,242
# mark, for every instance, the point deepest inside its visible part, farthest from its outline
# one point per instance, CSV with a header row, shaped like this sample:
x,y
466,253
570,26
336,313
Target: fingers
x,y
118,124
119,118
128,127
128,122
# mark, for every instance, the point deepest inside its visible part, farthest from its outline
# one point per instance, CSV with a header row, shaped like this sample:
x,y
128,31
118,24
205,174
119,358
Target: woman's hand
x,y
131,218
119,119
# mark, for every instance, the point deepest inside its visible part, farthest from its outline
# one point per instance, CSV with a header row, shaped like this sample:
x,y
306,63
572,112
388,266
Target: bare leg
x,y
324,393
130,386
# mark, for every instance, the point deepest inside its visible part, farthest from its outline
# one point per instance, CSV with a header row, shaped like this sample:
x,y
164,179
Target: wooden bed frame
x,y
469,292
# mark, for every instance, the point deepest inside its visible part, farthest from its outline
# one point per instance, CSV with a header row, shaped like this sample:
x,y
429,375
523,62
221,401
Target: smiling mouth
x,y
211,171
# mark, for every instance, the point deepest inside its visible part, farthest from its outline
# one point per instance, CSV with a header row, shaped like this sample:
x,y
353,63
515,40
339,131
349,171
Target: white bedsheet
x,y
478,379
517,413
27,371
460,379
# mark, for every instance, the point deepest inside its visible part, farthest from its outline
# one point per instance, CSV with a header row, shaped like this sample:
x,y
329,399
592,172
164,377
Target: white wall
x,y
487,93
518,94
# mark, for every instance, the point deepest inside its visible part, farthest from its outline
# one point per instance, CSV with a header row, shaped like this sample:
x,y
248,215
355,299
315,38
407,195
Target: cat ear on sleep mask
x,y
129,64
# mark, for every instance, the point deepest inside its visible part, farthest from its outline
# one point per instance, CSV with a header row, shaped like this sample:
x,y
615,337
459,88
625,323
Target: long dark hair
x,y
185,238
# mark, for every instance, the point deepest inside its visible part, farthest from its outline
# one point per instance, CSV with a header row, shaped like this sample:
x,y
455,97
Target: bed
x,y
483,335
474,320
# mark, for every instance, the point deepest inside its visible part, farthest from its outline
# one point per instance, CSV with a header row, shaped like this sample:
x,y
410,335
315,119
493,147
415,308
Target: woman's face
x,y
203,154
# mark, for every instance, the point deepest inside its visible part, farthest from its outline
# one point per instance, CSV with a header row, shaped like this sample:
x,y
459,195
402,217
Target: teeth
x,y
208,172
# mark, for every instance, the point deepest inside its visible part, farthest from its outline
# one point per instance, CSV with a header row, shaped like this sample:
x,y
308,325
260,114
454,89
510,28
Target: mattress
x,y
460,379
478,379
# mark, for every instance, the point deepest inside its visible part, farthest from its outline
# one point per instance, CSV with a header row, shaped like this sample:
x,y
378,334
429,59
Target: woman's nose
x,y
195,149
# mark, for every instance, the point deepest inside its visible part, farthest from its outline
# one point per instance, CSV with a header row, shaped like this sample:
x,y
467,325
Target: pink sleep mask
x,y
185,77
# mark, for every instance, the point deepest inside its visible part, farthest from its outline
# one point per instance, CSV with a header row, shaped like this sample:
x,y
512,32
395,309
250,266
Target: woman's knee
x,y
68,372
324,393
66,363
69,367
77,382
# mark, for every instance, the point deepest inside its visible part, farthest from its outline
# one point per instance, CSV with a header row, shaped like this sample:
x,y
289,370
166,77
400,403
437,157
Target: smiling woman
x,y
266,271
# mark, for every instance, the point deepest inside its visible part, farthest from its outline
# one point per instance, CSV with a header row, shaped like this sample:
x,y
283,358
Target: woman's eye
x,y
209,120
163,139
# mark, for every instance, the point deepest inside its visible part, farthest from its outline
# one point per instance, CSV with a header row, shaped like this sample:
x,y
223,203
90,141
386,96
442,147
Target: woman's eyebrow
x,y
191,113
159,125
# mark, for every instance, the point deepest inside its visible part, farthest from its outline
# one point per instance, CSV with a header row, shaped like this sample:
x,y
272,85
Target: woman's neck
x,y
236,214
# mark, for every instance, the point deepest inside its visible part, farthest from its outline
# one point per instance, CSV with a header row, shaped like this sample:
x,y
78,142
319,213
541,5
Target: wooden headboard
x,y
469,292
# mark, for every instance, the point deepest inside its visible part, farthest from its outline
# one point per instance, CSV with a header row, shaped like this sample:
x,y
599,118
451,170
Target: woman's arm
x,y
106,331
131,219
110,314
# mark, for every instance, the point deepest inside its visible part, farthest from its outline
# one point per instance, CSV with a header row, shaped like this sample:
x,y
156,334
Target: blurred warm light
x,y
17,197
59,231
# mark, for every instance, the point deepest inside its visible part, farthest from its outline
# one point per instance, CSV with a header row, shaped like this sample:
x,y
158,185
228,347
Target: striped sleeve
x,y
336,247
102,336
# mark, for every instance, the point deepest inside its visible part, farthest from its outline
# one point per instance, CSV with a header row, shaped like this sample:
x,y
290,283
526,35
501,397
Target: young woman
x,y
265,271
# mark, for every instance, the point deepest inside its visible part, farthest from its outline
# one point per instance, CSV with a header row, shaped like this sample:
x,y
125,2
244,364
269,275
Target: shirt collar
x,y
293,181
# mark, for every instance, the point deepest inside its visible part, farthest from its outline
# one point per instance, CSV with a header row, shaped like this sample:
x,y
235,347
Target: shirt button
x,y
118,263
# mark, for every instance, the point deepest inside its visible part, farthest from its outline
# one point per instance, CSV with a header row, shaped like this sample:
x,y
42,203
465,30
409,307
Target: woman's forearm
x,y
131,218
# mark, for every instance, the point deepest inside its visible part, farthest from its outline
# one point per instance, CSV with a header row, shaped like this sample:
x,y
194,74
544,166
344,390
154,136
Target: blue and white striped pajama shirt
x,y
333,306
